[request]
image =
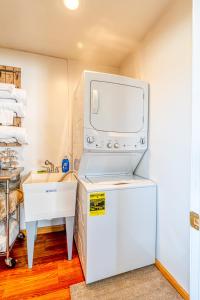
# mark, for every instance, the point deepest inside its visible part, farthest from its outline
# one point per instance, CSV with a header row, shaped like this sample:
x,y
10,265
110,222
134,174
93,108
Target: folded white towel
x,y
8,141
6,95
12,134
10,105
7,100
18,95
6,117
7,87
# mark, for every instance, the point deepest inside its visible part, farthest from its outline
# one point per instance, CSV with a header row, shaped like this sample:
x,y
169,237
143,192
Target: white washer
x,y
122,237
115,228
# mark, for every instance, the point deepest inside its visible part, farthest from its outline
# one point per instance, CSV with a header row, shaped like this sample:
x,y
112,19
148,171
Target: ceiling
x,y
100,31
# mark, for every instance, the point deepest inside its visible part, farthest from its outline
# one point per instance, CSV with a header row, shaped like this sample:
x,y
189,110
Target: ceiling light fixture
x,y
71,4
80,45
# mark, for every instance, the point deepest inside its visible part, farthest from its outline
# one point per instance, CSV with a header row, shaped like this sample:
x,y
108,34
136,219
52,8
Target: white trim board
x,y
195,156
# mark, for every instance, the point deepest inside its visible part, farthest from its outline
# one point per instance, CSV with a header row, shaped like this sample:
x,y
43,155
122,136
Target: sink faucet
x,y
52,168
47,162
56,169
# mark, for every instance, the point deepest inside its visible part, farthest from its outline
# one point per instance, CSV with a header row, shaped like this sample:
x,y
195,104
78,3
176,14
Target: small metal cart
x,y
9,180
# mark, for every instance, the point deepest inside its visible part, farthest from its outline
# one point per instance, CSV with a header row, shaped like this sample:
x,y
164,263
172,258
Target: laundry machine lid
x,y
110,178
117,180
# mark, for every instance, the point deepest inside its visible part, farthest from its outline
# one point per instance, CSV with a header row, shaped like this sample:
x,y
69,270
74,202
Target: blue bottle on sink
x,y
65,165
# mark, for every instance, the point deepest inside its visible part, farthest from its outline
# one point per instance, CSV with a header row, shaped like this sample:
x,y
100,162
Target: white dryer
x,y
115,228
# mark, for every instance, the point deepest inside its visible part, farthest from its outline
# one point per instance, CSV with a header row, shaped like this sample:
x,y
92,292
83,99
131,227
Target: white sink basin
x,y
46,198
48,177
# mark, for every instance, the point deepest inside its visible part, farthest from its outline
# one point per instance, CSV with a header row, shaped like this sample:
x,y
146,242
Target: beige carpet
x,y
142,284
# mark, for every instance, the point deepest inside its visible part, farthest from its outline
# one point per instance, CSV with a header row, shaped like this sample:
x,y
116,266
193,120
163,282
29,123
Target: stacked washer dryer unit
x,y
115,228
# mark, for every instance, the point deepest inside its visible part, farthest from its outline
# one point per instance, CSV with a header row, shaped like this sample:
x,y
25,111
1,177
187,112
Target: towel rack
x,y
12,75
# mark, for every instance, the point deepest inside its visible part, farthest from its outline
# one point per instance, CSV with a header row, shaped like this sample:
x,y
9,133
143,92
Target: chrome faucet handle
x,y
47,162
56,169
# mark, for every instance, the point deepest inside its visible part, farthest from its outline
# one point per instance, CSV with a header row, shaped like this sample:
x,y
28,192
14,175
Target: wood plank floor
x,y
50,276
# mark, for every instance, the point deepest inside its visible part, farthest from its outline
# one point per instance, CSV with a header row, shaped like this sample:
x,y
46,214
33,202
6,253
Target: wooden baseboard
x,y
48,229
172,280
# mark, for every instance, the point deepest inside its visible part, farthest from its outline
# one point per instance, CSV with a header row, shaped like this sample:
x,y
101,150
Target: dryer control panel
x,y
102,142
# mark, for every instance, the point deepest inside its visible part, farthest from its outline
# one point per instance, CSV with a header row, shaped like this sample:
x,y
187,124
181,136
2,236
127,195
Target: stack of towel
x,y
12,103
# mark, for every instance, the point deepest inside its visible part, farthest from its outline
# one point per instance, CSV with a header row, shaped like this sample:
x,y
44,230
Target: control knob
x,y
109,145
116,145
90,139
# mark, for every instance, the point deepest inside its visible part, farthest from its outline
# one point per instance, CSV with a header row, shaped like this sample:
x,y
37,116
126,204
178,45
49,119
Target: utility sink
x,y
46,198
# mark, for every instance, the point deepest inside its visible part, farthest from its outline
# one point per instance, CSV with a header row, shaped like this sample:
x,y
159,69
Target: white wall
x,y
164,60
45,80
49,83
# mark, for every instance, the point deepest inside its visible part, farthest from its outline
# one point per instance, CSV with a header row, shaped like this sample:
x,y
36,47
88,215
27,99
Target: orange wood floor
x,y
50,276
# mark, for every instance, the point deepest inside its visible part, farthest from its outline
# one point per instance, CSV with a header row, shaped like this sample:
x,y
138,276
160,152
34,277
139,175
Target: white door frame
x,y
195,155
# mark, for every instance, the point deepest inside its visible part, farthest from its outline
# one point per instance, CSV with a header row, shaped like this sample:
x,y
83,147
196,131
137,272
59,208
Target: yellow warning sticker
x,y
97,204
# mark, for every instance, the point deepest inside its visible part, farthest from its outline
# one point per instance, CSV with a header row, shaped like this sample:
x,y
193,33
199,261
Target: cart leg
x,y
19,216
7,220
69,235
20,235
30,229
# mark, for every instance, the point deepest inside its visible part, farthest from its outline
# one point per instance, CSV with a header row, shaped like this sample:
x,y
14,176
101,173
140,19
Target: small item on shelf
x,y
17,121
8,159
41,171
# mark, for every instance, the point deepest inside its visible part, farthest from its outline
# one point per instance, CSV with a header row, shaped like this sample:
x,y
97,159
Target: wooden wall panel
x,y
10,74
